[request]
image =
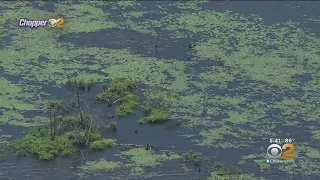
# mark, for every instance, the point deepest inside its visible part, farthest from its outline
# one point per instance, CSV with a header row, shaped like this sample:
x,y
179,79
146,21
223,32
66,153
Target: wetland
x,y
159,89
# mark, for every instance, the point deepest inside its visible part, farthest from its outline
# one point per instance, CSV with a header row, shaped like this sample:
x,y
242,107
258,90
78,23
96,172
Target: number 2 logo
x,y
60,23
287,154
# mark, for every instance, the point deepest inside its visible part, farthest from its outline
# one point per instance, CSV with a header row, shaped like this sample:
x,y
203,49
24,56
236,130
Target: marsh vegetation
x,y
121,91
72,124
224,72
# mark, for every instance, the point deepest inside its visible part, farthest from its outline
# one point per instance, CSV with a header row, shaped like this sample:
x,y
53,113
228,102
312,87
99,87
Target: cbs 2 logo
x,y
275,151
58,23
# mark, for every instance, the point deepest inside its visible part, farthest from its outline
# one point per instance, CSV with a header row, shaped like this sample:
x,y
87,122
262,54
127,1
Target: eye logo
x,y
56,23
274,151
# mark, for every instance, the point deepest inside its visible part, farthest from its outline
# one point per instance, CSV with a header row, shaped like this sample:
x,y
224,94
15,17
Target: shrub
x,y
80,138
67,123
102,144
94,136
158,115
39,144
141,121
90,84
120,90
191,156
113,126
128,104
64,145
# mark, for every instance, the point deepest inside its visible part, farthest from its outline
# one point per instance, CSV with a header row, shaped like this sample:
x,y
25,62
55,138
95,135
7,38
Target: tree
x,y
56,110
76,84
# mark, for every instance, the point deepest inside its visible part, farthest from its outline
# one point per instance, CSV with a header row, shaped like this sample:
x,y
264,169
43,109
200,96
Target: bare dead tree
x,y
88,131
156,45
78,100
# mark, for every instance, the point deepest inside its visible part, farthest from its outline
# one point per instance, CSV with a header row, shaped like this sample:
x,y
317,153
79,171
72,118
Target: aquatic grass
x,y
218,170
190,5
56,72
155,114
316,135
102,144
28,122
93,167
244,44
93,18
158,115
128,4
219,76
141,157
212,135
315,154
121,90
141,121
15,118
8,116
274,70
133,14
13,97
146,158
219,176
270,67
180,80
128,105
237,118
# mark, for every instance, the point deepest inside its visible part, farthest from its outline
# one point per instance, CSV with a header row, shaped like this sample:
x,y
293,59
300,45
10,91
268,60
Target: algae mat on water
x,y
260,81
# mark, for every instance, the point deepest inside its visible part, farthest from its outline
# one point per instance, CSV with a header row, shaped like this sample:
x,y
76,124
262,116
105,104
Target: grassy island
x,y
72,125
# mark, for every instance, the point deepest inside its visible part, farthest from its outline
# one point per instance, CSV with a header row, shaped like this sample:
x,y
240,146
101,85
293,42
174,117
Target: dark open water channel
x,y
27,168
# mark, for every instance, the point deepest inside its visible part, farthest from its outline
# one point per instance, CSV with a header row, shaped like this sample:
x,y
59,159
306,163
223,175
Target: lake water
x,y
171,135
